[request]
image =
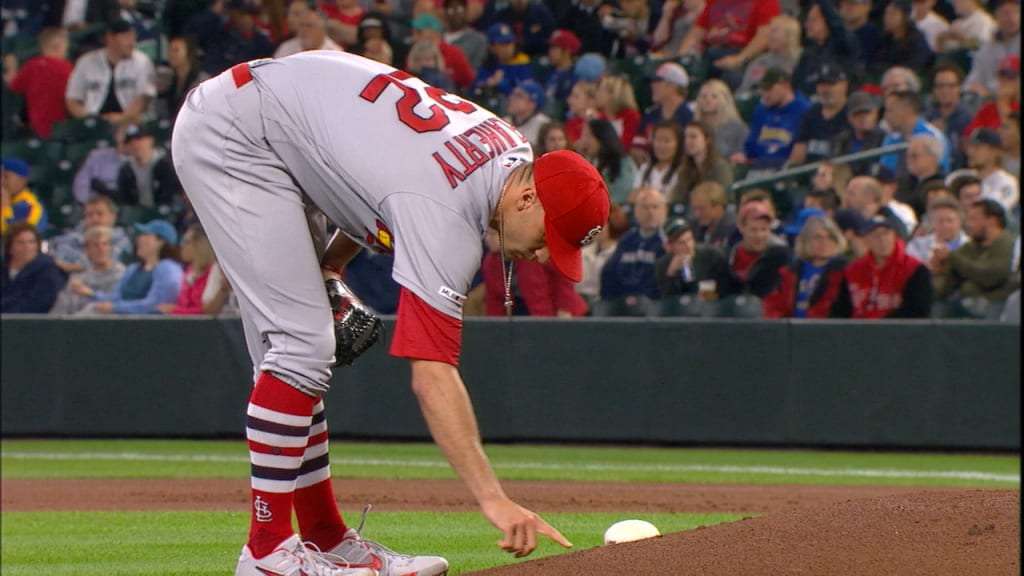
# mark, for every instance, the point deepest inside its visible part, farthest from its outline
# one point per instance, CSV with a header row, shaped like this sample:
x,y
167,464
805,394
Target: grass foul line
x,y
725,469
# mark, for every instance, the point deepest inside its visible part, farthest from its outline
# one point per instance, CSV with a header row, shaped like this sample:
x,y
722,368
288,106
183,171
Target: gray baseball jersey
x,y
398,165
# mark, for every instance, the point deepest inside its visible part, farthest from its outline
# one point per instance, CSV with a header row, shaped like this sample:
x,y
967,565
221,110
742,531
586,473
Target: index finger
x,y
549,531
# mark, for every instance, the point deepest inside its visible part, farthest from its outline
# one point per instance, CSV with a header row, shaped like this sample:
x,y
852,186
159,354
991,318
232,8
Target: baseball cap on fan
x,y
576,204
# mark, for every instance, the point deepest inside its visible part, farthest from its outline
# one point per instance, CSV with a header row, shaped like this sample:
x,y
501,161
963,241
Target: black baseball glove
x,y
356,328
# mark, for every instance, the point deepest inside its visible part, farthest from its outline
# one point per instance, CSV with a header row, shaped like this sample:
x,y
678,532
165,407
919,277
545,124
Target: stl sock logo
x,y
262,507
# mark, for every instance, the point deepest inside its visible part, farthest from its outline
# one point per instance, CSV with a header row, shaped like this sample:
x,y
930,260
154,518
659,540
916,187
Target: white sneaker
x,y
357,552
293,558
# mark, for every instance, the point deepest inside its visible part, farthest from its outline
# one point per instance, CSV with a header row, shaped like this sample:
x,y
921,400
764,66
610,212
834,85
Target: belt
x,y
242,74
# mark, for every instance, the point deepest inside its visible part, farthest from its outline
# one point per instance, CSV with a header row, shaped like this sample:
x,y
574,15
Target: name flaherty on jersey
x,y
465,153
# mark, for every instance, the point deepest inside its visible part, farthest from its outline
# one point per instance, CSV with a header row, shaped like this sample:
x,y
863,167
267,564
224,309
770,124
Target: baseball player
x,y
400,167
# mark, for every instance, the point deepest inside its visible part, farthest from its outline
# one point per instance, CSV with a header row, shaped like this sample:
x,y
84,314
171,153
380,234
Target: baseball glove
x,y
356,328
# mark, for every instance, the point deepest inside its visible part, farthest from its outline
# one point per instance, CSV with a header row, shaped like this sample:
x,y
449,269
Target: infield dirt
x,y
800,529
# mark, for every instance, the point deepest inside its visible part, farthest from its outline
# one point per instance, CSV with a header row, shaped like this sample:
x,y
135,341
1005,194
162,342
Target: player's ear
x,y
527,199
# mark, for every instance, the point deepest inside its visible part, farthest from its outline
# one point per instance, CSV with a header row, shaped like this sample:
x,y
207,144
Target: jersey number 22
x,y
411,97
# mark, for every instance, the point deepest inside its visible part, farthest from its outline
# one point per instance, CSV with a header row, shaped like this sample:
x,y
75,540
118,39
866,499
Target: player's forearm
x,y
449,415
340,251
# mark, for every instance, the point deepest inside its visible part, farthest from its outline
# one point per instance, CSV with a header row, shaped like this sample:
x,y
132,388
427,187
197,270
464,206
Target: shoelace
x,y
322,562
371,544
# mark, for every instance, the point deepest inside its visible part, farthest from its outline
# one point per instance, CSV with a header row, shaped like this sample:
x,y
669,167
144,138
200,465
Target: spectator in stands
x,y
932,193
966,188
30,281
198,295
374,40
525,105
831,176
946,111
295,10
272,20
590,67
901,44
850,222
783,51
825,200
115,82
532,23
343,18
230,37
714,223
582,107
380,50
686,265
505,65
630,270
677,18
984,155
730,33
1007,97
810,284
863,132
182,74
929,22
551,137
583,18
19,203
885,282
153,280
822,123
42,81
972,28
717,109
775,122
1009,135
661,172
426,63
146,28
563,48
544,292
700,163
460,34
765,198
310,34
923,156
864,194
903,114
827,41
856,19
755,261
1005,42
600,143
890,185
69,250
617,102
668,96
900,79
98,174
147,178
982,266
101,273
946,223
597,253
631,25
370,275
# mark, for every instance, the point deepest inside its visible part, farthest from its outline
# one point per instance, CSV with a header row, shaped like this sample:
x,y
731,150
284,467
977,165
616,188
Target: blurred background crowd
x,y
775,158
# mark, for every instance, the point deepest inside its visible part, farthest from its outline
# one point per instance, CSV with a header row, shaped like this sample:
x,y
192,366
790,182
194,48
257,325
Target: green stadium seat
x,y
160,129
128,215
76,153
740,306
633,306
32,150
11,109
89,129
63,217
746,106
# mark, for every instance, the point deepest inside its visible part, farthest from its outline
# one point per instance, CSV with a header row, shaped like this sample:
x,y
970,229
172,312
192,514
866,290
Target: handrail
x,y
806,168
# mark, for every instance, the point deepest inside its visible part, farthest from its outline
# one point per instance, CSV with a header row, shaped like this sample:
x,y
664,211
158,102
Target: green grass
x,y
206,543
207,459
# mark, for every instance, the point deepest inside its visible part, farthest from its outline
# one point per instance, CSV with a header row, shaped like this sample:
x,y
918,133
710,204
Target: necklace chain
x,y
506,271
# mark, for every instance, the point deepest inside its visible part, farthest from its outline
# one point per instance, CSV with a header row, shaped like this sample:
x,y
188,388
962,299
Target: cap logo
x,y
589,238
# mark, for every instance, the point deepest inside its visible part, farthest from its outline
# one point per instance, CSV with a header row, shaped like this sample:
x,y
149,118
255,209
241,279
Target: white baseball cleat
x,y
294,558
358,552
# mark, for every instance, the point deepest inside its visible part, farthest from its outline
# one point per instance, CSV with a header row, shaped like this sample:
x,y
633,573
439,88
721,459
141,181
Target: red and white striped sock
x,y
277,427
316,509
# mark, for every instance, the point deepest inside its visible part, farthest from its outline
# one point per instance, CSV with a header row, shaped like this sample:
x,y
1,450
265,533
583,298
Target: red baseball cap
x,y
1010,65
576,204
567,40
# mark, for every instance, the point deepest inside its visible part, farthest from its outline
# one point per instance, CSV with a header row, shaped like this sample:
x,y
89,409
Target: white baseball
x,y
630,531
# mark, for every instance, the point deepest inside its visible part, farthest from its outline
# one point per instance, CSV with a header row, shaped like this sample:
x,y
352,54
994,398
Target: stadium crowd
x,y
775,158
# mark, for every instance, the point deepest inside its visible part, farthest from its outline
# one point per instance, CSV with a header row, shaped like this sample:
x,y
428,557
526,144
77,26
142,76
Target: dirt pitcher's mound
x,y
933,533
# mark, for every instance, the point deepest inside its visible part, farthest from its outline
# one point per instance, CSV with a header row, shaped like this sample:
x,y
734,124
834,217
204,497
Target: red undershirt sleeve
x,y
424,333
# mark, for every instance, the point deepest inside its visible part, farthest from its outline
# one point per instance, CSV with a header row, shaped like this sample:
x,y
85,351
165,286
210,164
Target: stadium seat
x,y
89,129
632,306
32,150
11,108
747,105
128,215
740,306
